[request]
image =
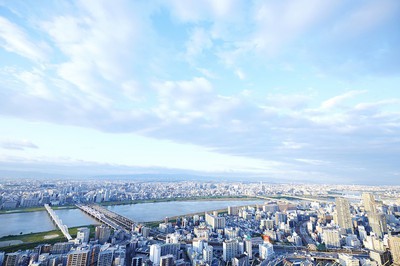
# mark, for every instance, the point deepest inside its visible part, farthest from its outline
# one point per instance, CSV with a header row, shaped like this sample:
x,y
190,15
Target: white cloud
x,y
199,41
339,99
14,39
239,73
17,144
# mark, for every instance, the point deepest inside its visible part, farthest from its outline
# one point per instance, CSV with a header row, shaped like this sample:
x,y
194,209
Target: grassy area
x,y
34,239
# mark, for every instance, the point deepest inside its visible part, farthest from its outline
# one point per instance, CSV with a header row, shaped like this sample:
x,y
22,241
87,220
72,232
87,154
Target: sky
x,y
304,90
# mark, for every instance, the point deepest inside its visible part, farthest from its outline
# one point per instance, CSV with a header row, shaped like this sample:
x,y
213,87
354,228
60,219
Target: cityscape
x,y
291,224
199,133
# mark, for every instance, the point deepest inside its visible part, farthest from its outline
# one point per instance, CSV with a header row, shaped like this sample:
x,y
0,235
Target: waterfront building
x,y
102,233
215,221
343,215
83,235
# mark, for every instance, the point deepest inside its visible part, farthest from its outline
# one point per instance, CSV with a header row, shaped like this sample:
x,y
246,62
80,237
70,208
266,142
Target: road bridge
x,y
107,217
58,222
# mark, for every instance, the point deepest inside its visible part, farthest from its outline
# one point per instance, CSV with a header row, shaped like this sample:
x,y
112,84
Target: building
x,y
266,250
343,215
137,261
348,260
77,258
241,260
208,254
155,253
378,223
94,255
394,247
248,248
167,260
215,221
61,248
233,210
369,202
331,237
381,257
102,233
106,258
230,249
83,235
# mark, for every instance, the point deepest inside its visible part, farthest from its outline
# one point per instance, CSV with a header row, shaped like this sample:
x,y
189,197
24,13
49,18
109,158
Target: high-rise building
x,y
215,221
106,257
167,260
248,247
12,259
208,254
348,260
137,261
83,235
155,253
369,202
94,255
240,260
61,248
378,223
102,233
230,249
266,250
77,258
394,247
331,237
343,215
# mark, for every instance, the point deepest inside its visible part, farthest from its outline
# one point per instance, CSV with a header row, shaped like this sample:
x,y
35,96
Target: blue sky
x,y
284,90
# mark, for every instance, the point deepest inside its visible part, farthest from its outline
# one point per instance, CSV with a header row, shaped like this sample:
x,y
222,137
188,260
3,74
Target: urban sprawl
x,y
298,224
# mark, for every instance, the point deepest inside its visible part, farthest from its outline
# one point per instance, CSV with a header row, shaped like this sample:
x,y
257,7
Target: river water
x,y
32,222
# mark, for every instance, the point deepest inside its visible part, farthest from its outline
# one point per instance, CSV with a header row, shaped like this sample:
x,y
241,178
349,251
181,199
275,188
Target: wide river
x,y
32,222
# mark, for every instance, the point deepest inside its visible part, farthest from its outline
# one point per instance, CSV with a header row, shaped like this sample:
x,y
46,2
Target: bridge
x,y
107,217
58,222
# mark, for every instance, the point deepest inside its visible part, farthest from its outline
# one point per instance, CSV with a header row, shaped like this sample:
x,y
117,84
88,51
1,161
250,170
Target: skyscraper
x,y
378,223
343,214
102,233
369,202
83,234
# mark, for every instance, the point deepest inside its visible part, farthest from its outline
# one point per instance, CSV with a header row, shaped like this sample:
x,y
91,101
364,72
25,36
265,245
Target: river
x,y
32,222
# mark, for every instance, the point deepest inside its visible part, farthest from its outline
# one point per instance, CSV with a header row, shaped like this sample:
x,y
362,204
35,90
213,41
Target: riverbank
x,y
29,241
214,198
36,209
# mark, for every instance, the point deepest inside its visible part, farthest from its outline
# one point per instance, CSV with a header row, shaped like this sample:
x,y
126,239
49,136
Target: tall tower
x,y
378,223
343,214
369,202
